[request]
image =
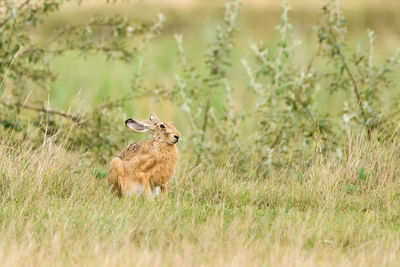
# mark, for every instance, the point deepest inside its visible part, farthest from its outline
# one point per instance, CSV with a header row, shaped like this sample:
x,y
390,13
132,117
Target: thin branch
x,y
310,63
74,118
205,119
355,87
2,23
115,102
353,81
74,28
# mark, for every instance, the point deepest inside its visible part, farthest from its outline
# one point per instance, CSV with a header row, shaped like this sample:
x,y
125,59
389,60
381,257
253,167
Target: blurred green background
x,y
87,80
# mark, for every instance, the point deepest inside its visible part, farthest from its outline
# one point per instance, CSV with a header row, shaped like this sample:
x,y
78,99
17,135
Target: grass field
x,y
56,209
337,208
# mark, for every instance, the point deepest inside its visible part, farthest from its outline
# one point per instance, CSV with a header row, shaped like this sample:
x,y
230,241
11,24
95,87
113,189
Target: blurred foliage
x,y
24,64
289,127
289,121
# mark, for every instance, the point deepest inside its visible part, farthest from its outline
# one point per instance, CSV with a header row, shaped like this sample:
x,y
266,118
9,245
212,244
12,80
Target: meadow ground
x,y
56,209
335,209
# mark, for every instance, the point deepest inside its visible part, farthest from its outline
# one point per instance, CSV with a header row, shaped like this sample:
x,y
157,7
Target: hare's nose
x,y
176,137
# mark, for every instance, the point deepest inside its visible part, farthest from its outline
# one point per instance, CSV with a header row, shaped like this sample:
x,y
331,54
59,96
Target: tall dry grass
x,y
340,210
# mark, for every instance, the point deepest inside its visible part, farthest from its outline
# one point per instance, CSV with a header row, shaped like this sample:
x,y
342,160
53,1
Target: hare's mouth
x,y
172,139
176,139
172,142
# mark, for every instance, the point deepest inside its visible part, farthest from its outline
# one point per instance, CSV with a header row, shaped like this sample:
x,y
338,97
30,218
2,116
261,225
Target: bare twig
x,y
74,118
353,81
2,23
355,87
205,119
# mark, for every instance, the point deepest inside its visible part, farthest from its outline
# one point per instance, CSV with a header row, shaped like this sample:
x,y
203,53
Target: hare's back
x,y
130,151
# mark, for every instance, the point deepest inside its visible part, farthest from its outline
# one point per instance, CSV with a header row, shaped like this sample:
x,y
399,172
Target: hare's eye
x,y
162,126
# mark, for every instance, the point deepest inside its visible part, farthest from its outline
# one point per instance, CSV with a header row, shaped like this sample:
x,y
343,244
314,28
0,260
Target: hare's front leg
x,y
131,188
164,190
147,189
145,181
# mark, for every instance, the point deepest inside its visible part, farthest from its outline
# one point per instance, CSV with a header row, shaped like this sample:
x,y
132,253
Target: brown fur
x,y
143,165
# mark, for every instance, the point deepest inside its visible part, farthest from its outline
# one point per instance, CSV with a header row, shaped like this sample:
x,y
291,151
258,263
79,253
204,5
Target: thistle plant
x,y
355,71
287,120
210,124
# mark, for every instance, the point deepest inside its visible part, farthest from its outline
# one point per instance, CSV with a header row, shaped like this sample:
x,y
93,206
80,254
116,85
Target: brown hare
x,y
142,166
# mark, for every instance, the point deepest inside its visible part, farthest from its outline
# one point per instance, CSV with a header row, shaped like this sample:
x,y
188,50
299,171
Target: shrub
x,y
27,75
289,126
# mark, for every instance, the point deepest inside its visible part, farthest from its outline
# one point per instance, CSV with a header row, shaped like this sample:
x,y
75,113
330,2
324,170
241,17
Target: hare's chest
x,y
161,175
163,171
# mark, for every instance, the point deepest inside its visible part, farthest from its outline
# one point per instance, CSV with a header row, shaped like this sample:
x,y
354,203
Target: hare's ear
x,y
138,125
154,118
